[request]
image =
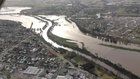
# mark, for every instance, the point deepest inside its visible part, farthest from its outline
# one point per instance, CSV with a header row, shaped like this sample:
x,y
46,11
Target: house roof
x,y
50,52
60,77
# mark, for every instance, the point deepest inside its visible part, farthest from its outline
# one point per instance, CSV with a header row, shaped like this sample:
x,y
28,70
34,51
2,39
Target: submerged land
x,y
95,37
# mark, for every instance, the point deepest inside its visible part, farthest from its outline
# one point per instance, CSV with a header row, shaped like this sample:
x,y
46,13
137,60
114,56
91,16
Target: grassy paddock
x,y
62,41
79,60
102,74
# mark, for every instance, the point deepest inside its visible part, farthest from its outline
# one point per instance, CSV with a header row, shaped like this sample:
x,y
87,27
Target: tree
x,y
7,74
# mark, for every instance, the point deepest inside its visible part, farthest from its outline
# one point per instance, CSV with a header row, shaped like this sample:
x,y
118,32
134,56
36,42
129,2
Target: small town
x,y
69,39
30,59
120,27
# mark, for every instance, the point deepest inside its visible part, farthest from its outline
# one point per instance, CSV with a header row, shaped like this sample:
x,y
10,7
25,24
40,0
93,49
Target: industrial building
x,y
31,70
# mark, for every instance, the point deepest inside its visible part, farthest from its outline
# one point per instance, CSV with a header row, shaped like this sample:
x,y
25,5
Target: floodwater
x,y
128,59
37,24
12,10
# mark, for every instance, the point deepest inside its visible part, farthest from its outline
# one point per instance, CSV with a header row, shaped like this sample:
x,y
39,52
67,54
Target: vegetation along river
x,y
65,29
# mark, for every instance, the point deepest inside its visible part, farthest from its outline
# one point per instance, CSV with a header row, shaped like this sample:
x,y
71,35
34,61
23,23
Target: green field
x,y
79,60
62,41
135,41
102,75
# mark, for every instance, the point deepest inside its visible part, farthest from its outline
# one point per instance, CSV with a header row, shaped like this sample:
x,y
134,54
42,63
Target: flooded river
x,y
128,59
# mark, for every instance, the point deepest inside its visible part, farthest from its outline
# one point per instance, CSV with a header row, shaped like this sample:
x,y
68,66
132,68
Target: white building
x,y
60,77
31,70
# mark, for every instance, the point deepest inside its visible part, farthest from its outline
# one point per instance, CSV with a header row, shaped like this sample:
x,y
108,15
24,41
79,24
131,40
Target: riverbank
x,y
45,31
13,10
122,48
96,72
49,30
72,32
115,66
61,41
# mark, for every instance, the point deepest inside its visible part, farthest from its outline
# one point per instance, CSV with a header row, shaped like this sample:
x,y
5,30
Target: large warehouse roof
x,y
31,70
